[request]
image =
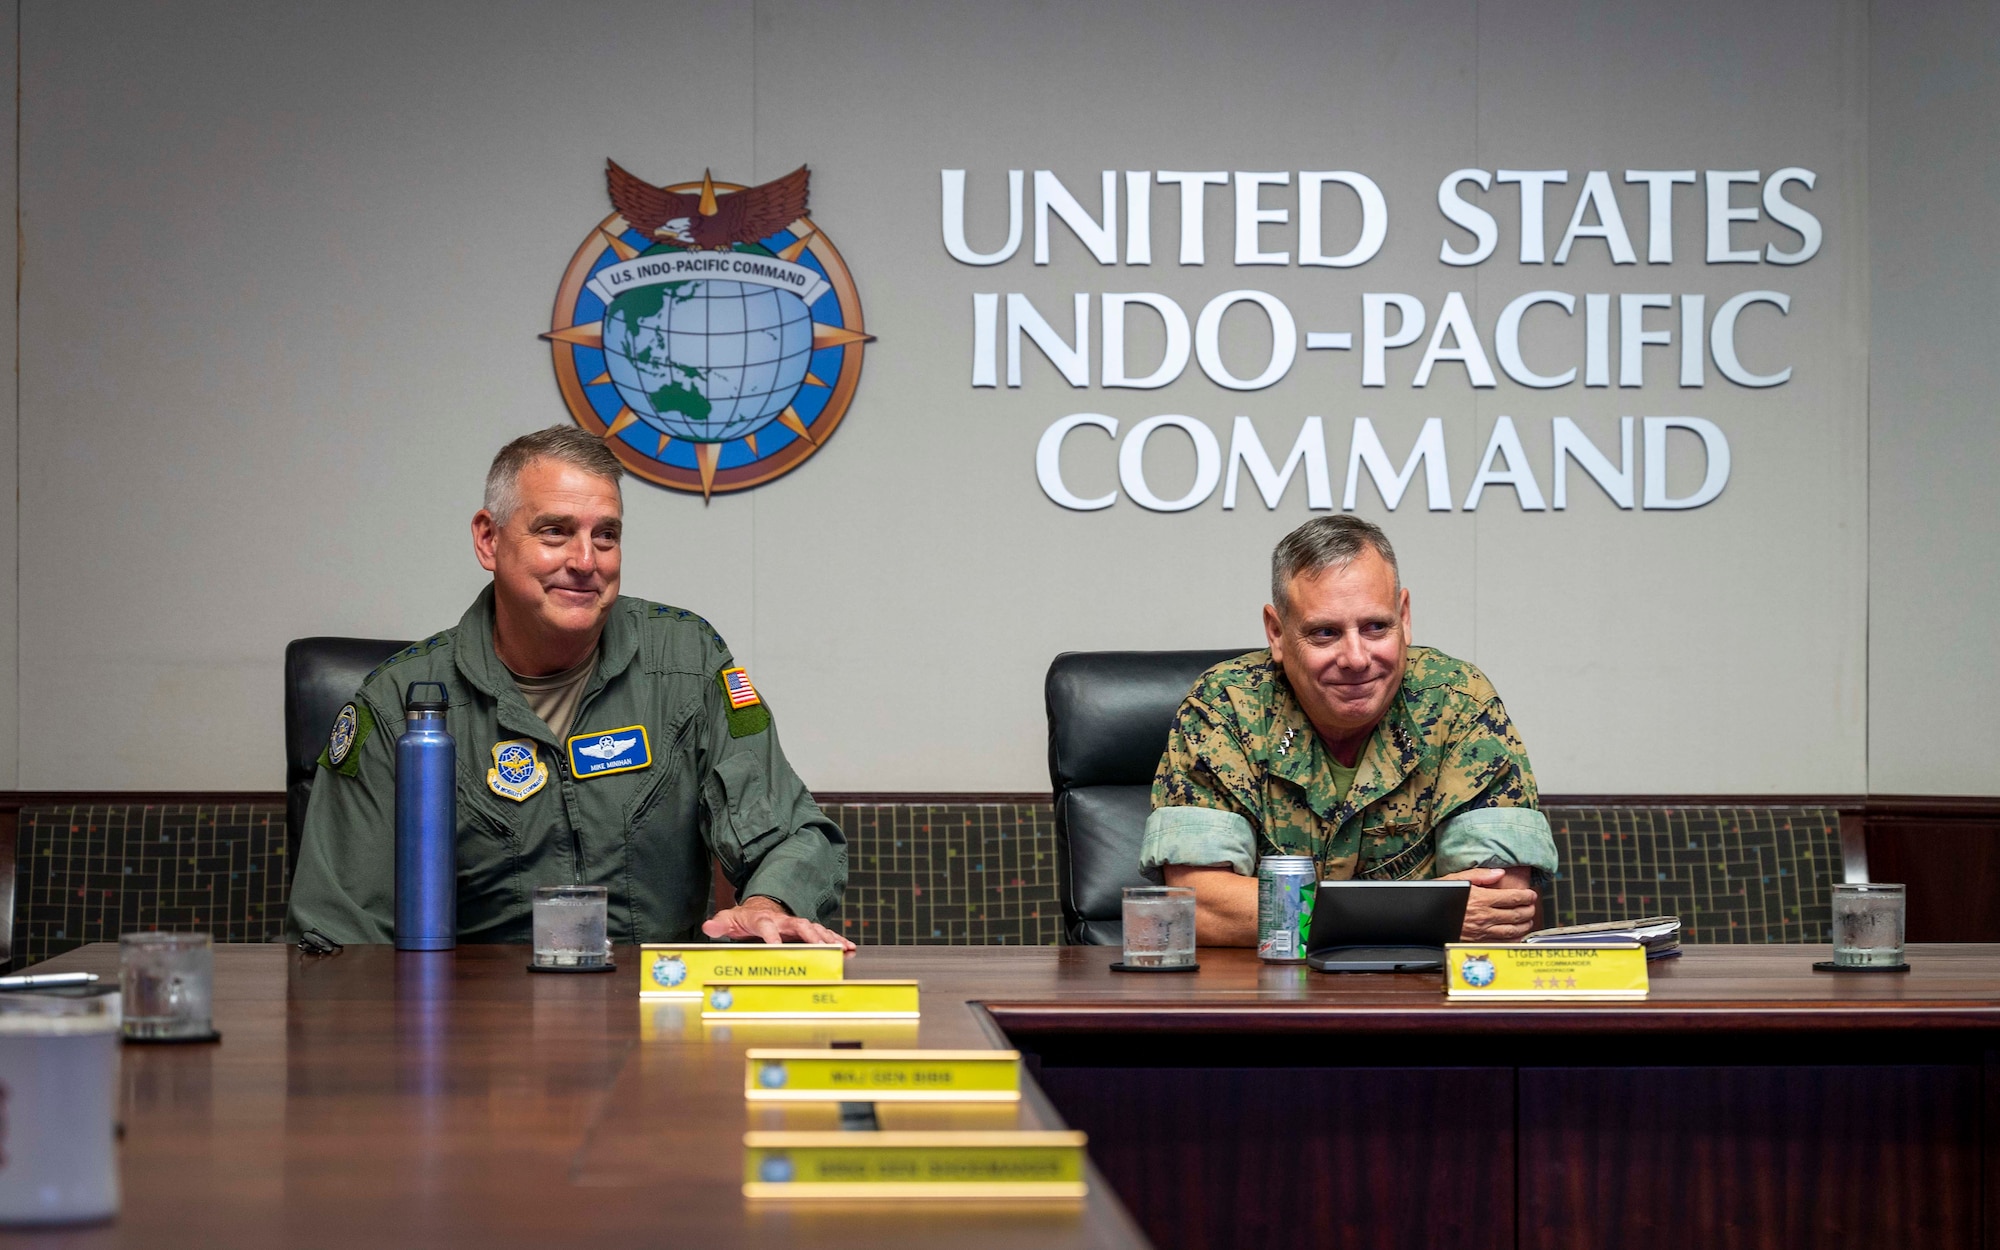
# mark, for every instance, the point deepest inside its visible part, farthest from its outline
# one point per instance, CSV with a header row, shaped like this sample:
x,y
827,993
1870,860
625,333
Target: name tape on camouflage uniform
x,y
602,752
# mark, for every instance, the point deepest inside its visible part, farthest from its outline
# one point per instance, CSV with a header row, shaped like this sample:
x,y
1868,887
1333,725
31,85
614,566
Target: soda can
x,y
1285,885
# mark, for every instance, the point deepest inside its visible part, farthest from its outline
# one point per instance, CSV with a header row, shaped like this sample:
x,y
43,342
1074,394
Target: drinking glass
x,y
569,927
58,1107
1868,925
166,980
1159,926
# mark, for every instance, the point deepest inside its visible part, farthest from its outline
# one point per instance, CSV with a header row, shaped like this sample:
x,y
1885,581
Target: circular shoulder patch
x,y
341,741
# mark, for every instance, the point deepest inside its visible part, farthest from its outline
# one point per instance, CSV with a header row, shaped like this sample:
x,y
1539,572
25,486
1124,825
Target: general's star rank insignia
x,y
517,770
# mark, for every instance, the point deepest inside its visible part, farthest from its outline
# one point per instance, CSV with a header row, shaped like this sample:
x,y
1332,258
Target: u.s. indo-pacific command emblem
x,y
708,331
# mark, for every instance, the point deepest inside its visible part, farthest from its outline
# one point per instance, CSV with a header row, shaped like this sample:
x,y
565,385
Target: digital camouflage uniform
x,y
713,779
1443,784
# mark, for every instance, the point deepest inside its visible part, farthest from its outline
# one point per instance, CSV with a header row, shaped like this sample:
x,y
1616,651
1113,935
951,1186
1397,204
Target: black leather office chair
x,y
1109,712
320,675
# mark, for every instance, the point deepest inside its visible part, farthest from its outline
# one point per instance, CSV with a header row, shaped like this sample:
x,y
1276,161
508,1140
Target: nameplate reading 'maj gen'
x,y
685,971
809,1000
1516,970
882,1075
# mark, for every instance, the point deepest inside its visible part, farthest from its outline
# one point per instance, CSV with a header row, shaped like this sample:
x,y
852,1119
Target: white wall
x,y
285,266
1934,420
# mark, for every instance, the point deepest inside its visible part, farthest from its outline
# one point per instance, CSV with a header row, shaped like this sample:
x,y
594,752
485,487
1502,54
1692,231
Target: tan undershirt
x,y
554,698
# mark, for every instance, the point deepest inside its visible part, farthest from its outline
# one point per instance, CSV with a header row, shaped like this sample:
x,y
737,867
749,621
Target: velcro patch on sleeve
x,y
351,727
747,713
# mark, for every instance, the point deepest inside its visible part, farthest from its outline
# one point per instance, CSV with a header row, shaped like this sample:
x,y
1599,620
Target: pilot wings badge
x,y
602,752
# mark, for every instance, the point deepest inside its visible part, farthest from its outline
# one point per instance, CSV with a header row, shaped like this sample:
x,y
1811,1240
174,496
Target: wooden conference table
x,y
457,1100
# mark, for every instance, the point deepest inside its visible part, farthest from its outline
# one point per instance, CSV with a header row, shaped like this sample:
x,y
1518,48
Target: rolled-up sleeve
x,y
1200,836
1202,792
1496,837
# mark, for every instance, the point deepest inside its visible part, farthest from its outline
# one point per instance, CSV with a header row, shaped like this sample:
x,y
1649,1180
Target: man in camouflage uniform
x,y
1342,741
602,740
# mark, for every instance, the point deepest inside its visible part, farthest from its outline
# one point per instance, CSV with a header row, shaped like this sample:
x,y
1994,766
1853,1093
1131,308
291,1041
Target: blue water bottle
x,y
426,825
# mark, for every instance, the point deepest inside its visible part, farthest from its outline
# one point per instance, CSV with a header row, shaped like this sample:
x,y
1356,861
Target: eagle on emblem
x,y
707,220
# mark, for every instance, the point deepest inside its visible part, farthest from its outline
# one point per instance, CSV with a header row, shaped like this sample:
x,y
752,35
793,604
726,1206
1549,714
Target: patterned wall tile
x,y
87,874
964,874
1732,874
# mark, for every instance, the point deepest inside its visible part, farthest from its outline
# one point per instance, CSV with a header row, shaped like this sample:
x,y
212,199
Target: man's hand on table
x,y
1502,907
765,919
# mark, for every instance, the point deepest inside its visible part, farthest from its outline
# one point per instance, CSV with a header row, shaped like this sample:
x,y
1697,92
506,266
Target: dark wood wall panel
x,y
1211,1159
1734,1158
1951,865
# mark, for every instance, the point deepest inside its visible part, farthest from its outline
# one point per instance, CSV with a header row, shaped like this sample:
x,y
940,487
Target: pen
x,y
41,979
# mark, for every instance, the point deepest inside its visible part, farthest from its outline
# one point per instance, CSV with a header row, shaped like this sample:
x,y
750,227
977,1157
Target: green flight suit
x,y
716,781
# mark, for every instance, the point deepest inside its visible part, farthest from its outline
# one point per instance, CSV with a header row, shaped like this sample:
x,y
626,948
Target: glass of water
x,y
166,983
1868,925
569,928
1159,927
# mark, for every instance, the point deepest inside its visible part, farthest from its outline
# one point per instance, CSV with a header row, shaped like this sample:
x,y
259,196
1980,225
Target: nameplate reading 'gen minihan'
x,y
685,971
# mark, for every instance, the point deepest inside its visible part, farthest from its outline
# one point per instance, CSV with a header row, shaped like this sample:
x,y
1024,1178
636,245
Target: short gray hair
x,y
566,443
1323,543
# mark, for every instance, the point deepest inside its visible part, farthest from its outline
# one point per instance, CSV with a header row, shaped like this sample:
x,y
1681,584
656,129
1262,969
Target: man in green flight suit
x,y
602,740
1342,741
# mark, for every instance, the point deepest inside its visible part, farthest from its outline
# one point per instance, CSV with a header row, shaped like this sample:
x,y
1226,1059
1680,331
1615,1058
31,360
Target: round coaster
x,y
1827,965
535,967
1122,966
210,1036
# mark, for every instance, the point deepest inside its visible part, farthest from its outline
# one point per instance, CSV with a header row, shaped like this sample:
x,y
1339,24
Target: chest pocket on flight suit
x,y
739,805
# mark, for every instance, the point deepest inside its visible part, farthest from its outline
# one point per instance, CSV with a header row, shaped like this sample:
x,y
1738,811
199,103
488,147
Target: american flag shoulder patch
x,y
736,684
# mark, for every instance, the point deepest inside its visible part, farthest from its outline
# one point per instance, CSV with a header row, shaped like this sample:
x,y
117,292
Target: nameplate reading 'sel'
x,y
685,971
1515,970
882,1075
809,1000
915,1164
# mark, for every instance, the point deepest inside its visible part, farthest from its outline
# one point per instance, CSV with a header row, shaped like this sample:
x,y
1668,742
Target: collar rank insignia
x,y
602,752
517,770
736,684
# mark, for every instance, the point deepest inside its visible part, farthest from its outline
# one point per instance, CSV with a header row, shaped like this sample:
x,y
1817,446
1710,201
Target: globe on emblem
x,y
707,360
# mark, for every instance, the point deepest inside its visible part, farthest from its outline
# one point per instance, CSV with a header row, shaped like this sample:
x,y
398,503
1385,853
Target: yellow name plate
x,y
882,1075
913,1165
685,971
809,1000
1514,970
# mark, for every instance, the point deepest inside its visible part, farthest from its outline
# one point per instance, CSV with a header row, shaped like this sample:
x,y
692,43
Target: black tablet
x,y
1385,926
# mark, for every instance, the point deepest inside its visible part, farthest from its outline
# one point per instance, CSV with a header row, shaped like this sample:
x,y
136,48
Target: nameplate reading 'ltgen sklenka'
x,y
809,1000
685,971
882,1075
1515,971
913,1165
